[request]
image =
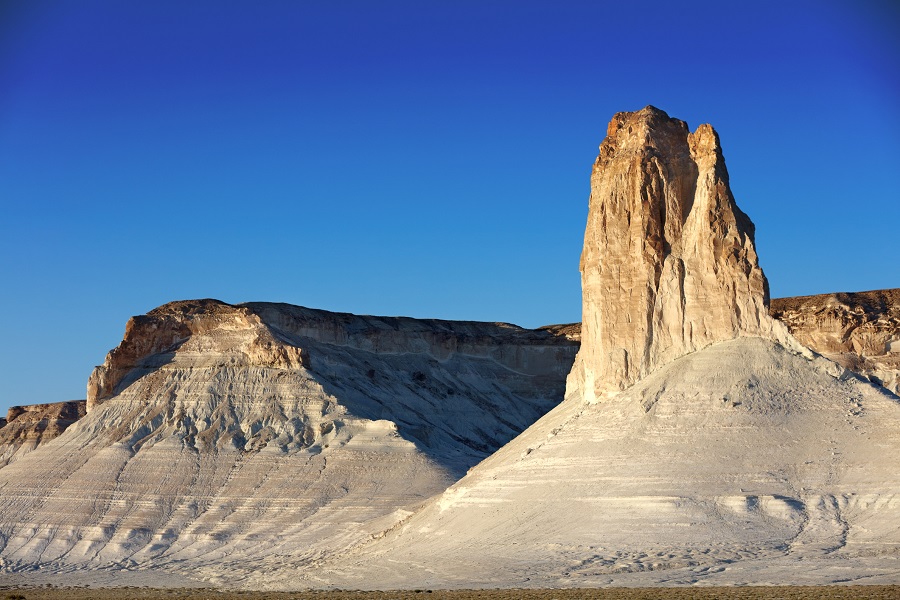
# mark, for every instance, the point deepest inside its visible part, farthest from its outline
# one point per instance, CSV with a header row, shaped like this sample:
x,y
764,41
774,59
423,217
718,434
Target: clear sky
x,y
420,158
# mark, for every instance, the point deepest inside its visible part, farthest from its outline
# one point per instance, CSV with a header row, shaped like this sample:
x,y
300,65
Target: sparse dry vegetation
x,y
872,592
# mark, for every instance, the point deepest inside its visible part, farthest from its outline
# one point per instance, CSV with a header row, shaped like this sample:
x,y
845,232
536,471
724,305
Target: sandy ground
x,y
719,593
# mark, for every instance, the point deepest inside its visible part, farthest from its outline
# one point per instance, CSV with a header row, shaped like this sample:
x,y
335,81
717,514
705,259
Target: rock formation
x,y
668,265
742,463
222,437
860,331
732,455
274,446
163,330
27,427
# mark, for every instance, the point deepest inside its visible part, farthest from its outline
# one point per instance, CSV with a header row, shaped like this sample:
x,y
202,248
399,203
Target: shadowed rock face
x,y
669,264
860,331
27,427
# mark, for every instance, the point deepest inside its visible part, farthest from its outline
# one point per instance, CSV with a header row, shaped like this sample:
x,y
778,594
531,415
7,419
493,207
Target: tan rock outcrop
x,y
669,264
27,427
860,331
163,330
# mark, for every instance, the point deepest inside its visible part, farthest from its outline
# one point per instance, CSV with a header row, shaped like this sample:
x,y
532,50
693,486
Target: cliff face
x,y
436,359
273,335
733,455
226,330
669,265
860,331
220,435
27,427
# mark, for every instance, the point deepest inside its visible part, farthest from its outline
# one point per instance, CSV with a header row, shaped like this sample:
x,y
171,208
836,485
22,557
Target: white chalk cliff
x,y
221,437
731,455
272,446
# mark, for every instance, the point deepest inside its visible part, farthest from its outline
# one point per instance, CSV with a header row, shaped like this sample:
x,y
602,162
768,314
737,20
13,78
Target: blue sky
x,y
428,159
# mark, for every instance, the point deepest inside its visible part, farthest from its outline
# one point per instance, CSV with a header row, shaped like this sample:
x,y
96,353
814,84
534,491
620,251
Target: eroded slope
x,y
220,437
741,463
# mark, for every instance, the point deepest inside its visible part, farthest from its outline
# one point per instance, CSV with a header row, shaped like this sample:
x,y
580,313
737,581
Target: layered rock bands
x,y
860,331
268,445
27,427
220,437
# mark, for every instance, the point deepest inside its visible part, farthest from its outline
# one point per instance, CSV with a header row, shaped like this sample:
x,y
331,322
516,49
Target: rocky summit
x,y
669,264
693,441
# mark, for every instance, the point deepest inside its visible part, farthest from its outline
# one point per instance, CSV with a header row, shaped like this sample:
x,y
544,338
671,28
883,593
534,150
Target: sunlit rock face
x,y
27,427
224,329
859,330
669,264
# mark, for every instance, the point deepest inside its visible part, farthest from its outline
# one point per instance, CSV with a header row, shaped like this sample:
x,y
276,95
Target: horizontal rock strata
x,y
27,427
860,331
222,437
